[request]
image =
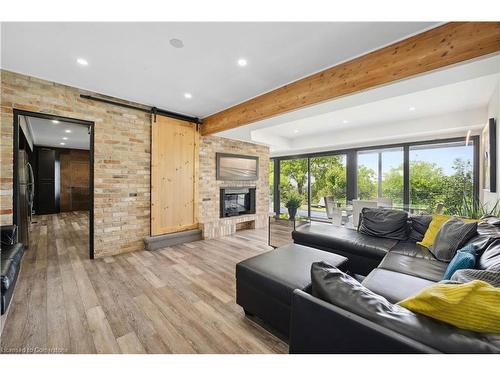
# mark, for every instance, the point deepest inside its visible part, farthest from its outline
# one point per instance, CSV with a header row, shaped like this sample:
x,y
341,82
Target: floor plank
x,y
180,299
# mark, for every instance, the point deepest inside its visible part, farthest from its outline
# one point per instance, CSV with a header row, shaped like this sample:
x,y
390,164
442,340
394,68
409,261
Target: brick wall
x,y
121,164
121,158
209,187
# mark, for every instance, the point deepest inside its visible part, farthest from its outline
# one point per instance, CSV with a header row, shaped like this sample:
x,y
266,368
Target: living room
x,y
244,196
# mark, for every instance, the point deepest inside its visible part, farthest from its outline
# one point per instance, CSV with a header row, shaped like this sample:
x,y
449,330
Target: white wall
x,y
493,111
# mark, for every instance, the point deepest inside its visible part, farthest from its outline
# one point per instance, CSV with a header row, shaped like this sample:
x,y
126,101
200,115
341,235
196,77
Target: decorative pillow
x,y
384,223
433,229
490,276
464,258
418,227
474,306
490,258
453,235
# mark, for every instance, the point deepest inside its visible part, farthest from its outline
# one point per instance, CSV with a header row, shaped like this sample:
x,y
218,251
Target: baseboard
x,y
152,243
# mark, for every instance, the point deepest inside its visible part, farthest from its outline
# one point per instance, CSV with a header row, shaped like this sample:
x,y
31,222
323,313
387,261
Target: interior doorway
x,y
53,175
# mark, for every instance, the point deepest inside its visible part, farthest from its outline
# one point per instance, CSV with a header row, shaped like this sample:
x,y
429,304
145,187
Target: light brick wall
x,y
121,164
121,158
209,187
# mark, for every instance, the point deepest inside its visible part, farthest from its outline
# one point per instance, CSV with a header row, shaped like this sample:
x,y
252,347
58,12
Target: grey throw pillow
x,y
453,235
490,276
418,227
384,223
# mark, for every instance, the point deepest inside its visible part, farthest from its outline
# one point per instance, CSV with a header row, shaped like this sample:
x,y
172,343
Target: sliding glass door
x,y
380,175
328,184
294,182
441,174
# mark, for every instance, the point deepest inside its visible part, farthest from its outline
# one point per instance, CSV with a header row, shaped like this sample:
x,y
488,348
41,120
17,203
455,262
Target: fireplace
x,y
237,201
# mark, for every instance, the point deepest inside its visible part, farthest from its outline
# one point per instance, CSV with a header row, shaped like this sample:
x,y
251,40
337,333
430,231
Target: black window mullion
x,y
277,189
309,196
352,174
406,177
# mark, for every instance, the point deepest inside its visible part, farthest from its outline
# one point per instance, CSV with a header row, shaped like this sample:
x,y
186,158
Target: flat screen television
x,y
232,167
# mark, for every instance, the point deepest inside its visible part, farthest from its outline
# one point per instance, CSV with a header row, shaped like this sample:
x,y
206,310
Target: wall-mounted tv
x,y
237,167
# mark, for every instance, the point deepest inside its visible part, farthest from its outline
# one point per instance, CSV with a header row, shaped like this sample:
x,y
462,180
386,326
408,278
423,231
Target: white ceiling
x,y
47,133
446,103
135,61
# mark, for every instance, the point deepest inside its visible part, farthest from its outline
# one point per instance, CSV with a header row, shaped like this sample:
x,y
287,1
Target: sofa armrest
x,y
319,327
8,234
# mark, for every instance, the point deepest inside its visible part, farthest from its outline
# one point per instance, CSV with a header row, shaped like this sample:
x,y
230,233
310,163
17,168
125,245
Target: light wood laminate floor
x,y
176,300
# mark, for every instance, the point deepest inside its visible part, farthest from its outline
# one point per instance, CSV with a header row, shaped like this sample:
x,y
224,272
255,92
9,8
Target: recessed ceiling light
x,y
176,43
62,143
242,62
65,138
187,95
411,108
344,121
296,131
67,131
82,61
55,121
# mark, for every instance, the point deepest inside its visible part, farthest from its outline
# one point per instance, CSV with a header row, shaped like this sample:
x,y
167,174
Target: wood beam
x,y
445,45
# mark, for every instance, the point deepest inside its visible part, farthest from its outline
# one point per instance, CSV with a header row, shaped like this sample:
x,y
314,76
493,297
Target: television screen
x,y
237,167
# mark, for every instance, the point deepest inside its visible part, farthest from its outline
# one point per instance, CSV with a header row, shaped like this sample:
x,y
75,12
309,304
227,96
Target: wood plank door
x,y
174,176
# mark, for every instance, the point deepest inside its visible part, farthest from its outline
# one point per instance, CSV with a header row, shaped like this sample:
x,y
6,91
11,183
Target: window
x,y
437,173
380,175
293,181
328,183
441,174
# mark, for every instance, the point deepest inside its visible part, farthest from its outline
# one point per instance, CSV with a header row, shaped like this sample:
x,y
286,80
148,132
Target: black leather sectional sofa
x,y
11,255
269,287
394,270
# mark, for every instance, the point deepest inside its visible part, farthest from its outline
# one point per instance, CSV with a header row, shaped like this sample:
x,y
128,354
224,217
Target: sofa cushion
x,y
418,227
279,272
453,235
349,240
490,276
339,289
490,258
384,223
433,229
413,249
394,286
10,261
418,267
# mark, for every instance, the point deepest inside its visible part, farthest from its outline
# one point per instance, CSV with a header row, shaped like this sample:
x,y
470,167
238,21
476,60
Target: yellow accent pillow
x,y
434,227
474,306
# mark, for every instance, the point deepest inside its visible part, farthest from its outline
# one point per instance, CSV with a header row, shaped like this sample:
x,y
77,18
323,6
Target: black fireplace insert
x,y
237,201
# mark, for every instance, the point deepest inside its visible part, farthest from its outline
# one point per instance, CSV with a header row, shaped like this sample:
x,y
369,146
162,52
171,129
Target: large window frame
x,y
351,166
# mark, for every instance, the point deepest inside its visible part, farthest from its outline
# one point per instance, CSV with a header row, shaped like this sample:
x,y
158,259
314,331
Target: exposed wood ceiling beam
x,y
445,45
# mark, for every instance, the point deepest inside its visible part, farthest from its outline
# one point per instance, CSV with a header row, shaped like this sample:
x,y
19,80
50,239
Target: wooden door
x,y
174,176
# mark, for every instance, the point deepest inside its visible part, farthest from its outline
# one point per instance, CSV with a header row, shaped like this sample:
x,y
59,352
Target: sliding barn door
x,y
174,169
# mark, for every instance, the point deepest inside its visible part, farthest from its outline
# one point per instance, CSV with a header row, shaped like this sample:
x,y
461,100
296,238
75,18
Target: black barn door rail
x,y
152,110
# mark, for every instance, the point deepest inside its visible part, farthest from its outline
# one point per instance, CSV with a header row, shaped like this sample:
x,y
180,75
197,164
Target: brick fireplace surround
x,y
209,187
